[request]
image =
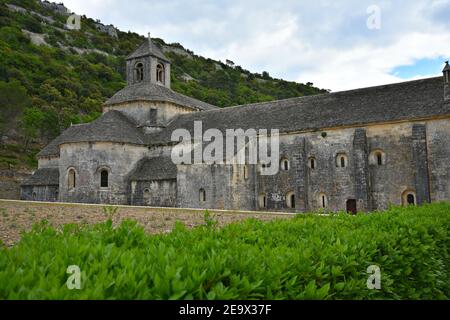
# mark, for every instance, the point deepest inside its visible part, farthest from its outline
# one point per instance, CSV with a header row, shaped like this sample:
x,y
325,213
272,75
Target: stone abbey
x,y
357,150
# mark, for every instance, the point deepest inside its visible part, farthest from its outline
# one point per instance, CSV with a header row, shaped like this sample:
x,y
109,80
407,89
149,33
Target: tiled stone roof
x,y
151,169
395,102
148,48
112,126
43,177
146,91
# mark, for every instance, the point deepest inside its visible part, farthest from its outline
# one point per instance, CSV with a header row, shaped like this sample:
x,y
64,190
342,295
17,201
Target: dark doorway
x,y
293,201
351,206
411,200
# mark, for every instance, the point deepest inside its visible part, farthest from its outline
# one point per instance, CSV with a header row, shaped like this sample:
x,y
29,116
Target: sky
x,y
336,45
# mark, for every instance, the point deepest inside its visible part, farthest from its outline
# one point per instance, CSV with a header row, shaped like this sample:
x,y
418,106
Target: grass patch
x,y
309,257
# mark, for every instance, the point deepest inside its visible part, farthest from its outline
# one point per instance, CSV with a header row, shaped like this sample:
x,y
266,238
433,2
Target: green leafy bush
x,y
308,257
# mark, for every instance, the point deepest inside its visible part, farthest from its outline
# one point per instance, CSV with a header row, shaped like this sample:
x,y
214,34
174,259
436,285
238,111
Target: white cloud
x,y
325,42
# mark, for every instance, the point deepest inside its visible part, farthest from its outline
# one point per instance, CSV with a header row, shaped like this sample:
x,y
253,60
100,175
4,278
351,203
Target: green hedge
x,y
307,257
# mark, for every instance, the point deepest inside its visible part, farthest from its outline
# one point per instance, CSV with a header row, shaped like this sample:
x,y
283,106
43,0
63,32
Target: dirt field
x,y
18,216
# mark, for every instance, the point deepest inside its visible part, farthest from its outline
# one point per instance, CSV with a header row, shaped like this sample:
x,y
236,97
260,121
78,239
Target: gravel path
x,y
19,216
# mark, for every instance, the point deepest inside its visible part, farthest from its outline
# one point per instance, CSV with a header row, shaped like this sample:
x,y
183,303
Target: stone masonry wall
x,y
88,159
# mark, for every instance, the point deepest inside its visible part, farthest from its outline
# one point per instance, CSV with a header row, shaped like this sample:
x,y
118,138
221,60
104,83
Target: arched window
x,y
290,200
139,72
312,163
104,178
71,179
341,160
284,164
146,196
323,202
377,158
160,73
262,201
202,195
409,198
245,172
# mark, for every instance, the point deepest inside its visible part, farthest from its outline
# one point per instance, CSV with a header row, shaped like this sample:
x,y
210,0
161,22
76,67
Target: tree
x,y
13,99
31,123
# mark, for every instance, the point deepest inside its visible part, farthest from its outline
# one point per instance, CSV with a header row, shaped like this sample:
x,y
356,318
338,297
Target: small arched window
x,y
146,196
323,202
312,163
341,160
284,164
139,72
377,158
160,73
71,179
245,172
262,201
202,195
290,200
104,178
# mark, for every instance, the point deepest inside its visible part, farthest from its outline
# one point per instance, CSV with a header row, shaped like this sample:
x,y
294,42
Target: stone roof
x,y
152,169
43,177
52,149
148,48
112,126
145,91
394,102
447,67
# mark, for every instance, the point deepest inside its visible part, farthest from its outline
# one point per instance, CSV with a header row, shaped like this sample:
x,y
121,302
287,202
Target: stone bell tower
x,y
148,64
446,73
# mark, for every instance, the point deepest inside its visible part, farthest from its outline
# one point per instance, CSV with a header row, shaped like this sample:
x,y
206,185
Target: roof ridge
x,y
316,96
148,48
154,92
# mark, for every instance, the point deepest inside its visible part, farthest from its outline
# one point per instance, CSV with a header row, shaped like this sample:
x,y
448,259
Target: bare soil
x,y
19,216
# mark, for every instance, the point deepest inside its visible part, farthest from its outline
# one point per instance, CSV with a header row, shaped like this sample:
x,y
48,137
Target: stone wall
x,y
438,143
40,193
88,159
150,64
162,193
211,178
413,159
10,181
139,111
48,162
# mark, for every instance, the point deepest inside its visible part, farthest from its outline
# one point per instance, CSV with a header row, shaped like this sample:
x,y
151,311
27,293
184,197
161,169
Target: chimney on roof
x,y
446,73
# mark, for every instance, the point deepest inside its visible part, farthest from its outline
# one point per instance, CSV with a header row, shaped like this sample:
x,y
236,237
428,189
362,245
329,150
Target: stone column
x,y
420,162
361,169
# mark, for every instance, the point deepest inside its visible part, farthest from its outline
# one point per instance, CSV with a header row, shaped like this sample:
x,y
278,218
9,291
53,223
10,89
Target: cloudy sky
x,y
337,45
